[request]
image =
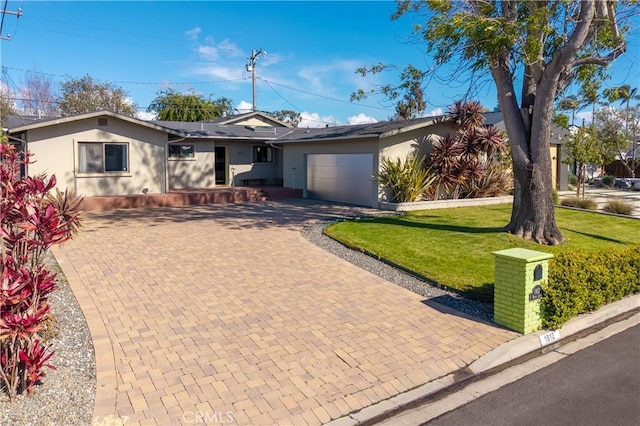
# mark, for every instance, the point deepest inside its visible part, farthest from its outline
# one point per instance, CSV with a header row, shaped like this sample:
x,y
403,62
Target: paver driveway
x,y
227,313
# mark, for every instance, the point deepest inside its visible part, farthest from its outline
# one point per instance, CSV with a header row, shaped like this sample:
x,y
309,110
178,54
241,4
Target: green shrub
x,y
408,180
573,179
582,282
556,197
580,203
608,180
619,207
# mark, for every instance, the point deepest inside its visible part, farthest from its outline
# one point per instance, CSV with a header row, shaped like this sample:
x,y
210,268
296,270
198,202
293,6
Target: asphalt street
x,y
599,385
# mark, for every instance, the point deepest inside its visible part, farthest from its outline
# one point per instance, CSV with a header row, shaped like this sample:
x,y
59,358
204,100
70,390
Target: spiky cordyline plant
x,y
463,161
466,115
30,225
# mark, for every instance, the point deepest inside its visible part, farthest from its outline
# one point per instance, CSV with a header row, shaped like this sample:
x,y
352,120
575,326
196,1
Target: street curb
x,y
500,356
531,342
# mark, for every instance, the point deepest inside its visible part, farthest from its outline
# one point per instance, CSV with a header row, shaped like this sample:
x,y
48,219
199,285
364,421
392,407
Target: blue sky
x,y
313,49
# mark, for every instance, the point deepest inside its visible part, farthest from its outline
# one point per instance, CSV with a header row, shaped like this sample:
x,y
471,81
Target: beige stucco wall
x,y
55,150
393,146
294,156
240,158
418,141
196,172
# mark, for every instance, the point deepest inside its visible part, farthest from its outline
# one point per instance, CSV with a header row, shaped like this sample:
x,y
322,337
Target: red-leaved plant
x,y
31,222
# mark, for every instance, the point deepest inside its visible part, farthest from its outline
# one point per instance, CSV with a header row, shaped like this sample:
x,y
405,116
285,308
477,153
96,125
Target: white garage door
x,y
345,178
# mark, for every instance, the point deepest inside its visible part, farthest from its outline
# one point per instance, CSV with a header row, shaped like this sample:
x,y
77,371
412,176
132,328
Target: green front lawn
x,y
453,246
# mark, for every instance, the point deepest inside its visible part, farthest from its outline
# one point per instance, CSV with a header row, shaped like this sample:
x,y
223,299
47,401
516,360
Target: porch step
x,y
190,197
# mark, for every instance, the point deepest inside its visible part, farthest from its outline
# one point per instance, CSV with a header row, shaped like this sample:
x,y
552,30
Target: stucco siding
x,y
56,151
295,168
196,172
416,141
240,156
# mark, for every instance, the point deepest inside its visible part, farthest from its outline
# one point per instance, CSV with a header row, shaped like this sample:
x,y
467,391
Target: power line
x,y
194,83
149,83
6,12
322,96
295,107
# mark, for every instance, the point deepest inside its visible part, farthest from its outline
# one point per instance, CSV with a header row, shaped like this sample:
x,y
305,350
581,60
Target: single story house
x,y
104,153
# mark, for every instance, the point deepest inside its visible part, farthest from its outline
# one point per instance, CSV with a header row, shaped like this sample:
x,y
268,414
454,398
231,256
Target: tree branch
x,y
566,53
601,60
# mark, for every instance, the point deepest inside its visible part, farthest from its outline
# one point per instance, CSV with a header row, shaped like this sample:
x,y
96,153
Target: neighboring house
x,y
559,135
103,153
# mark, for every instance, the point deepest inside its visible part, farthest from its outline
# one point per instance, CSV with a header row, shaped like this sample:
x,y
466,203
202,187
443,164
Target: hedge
x,y
582,282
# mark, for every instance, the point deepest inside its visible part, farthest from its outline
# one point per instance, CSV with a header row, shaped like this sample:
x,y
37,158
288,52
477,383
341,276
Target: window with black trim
x,y
262,154
98,157
181,151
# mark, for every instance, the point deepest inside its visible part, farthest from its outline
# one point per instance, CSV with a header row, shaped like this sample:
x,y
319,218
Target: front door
x,y
221,165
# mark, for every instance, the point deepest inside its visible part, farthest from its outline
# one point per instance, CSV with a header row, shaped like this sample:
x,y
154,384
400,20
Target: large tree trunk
x,y
533,215
529,131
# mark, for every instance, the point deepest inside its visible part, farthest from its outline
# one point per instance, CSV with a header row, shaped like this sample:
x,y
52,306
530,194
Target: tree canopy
x,y
288,116
79,96
7,106
540,46
170,105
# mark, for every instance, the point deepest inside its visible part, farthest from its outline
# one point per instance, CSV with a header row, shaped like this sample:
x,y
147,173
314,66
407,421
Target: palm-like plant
x,y
468,164
445,153
491,140
466,114
407,179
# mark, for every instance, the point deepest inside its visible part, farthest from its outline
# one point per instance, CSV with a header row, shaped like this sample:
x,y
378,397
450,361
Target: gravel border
x,y
66,395
480,310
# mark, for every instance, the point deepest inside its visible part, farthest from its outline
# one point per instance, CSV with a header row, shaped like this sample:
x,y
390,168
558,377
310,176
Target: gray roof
x,y
14,121
369,130
206,129
216,130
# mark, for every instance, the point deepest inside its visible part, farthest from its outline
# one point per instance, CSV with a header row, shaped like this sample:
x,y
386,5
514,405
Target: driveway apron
x,y
227,314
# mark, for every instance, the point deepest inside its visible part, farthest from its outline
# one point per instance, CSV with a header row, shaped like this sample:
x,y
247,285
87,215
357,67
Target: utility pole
x,y
5,12
251,66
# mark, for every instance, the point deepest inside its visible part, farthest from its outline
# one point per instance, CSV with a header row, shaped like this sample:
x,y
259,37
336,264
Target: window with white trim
x,y
99,157
182,151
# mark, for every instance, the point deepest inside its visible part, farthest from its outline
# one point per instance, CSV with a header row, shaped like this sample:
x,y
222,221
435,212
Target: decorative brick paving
x,y
226,312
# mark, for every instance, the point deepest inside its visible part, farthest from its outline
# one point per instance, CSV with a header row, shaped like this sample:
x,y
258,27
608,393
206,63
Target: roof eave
x,y
89,115
331,139
406,129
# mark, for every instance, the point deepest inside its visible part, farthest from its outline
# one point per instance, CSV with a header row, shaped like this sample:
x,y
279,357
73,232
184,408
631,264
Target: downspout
x,y
165,166
75,168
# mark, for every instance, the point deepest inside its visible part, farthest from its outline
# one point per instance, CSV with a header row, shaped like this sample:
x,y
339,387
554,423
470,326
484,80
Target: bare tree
x,y
38,95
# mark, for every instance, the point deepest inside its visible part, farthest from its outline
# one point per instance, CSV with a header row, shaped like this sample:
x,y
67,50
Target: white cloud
x,y
318,75
193,33
361,118
207,52
219,72
144,115
313,119
244,106
434,112
587,116
229,48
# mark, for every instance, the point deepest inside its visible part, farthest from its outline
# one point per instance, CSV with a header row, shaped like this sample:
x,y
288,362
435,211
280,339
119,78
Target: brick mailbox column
x,y
517,292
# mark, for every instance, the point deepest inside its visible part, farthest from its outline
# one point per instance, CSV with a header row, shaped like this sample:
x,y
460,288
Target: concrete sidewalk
x,y
603,195
226,313
510,363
